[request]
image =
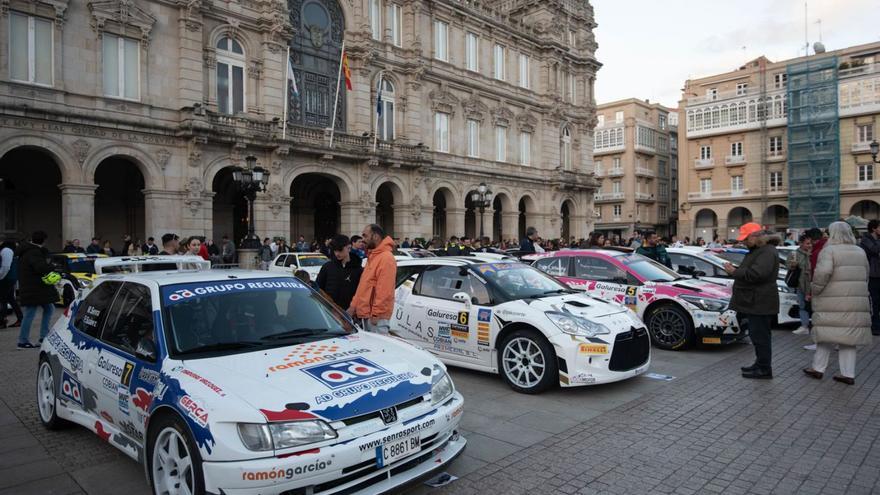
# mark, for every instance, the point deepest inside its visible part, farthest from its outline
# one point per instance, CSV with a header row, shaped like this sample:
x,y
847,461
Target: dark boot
x,y
751,367
758,373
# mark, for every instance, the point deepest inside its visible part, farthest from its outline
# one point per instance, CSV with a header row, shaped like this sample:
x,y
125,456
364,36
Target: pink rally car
x,y
678,311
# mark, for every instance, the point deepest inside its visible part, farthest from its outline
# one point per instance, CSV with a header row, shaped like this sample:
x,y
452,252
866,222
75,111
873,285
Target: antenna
x,y
819,22
806,33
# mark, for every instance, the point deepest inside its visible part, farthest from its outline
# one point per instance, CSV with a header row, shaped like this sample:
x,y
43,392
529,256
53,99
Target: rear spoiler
x,y
133,264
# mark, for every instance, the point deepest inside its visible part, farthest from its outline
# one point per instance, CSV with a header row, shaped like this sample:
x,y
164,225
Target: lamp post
x,y
250,180
875,148
482,198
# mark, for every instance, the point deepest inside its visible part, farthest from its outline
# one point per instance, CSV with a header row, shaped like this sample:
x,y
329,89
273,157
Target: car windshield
x,y
713,258
229,316
81,266
312,260
648,269
518,281
731,256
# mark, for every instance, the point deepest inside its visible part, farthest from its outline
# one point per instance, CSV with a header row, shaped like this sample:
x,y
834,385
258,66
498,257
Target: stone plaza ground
x,y
706,431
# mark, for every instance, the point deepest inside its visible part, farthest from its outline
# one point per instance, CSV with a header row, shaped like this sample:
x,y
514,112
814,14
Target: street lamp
x,y
482,198
250,180
875,148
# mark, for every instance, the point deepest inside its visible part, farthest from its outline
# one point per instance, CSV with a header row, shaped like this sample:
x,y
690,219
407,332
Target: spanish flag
x,y
346,70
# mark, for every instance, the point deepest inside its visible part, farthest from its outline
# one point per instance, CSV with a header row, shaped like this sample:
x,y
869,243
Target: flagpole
x,y
286,90
336,101
378,95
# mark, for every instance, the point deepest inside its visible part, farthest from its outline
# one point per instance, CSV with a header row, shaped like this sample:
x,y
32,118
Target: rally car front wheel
x,y
527,362
670,327
175,465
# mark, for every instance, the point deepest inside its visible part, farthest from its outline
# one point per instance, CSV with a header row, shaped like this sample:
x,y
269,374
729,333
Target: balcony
x,y
703,163
641,196
860,185
734,160
858,148
859,90
645,172
729,193
614,172
613,148
605,197
775,156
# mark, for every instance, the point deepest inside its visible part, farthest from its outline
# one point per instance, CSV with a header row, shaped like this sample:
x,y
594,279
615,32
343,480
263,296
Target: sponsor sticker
x,y
463,317
123,398
175,294
194,410
711,340
459,331
70,388
483,334
484,315
286,473
631,291
142,399
75,362
149,376
593,349
583,378
204,381
114,367
346,372
365,386
313,354
442,315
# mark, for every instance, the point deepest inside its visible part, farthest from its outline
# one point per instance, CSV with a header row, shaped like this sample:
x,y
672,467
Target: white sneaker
x,y
802,331
810,347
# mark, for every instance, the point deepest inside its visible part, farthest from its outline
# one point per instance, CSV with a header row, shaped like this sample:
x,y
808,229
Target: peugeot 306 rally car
x,y
511,319
245,382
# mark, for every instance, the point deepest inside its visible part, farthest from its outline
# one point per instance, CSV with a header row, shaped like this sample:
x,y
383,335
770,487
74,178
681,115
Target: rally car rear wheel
x,y
527,362
175,465
670,327
47,400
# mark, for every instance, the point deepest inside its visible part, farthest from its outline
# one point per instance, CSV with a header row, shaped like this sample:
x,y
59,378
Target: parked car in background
x,y
291,262
409,253
77,271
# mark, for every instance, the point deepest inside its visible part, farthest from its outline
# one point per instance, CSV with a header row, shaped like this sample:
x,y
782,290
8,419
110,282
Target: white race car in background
x,y
288,263
707,266
245,382
512,319
410,253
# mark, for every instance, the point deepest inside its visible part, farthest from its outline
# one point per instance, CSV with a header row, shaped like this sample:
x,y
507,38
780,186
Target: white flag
x,y
291,77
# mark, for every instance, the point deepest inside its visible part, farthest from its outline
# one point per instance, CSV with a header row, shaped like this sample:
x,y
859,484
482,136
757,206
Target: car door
x,y
442,299
128,359
603,279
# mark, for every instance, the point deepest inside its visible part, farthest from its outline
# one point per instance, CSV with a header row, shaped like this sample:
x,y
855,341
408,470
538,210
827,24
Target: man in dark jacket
x,y
36,287
871,244
654,250
340,276
755,296
530,244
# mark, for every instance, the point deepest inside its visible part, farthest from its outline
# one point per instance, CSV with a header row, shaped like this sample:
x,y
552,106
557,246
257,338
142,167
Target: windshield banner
x,y
175,294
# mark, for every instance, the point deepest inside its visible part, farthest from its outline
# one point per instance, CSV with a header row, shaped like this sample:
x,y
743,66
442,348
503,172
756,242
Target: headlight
x,y
261,437
575,325
441,389
707,304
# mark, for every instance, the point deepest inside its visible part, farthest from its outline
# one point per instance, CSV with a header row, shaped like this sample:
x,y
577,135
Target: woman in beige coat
x,y
841,309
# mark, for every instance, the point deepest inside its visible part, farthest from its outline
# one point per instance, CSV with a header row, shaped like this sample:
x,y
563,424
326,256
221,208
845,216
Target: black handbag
x,y
793,277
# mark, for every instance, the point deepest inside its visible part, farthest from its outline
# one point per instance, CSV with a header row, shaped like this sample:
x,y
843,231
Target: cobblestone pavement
x,y
706,431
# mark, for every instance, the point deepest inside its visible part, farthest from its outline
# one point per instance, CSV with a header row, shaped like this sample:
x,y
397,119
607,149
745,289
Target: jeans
x,y
759,332
803,314
7,297
382,327
874,291
29,313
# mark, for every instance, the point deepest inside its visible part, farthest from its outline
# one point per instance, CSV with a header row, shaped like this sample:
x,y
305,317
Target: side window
x,y
280,260
130,319
442,282
678,261
556,266
478,291
92,311
290,261
405,273
598,269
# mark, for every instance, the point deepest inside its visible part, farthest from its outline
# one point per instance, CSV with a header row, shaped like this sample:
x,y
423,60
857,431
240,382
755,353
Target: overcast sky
x,y
648,48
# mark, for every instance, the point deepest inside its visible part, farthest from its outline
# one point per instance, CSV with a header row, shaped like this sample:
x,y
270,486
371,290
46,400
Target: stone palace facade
x,y
123,116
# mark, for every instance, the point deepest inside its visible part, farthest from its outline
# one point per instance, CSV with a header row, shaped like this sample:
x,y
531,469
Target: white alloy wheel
x,y
524,362
172,464
46,393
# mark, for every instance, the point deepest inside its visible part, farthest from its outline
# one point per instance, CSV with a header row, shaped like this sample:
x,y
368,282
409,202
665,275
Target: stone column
x,y
164,212
351,217
488,217
78,211
272,215
510,225
455,222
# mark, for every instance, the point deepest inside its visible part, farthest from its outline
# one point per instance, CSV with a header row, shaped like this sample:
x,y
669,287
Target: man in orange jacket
x,y
373,302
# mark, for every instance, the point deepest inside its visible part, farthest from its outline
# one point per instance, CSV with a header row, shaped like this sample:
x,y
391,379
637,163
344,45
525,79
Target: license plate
x,y
392,451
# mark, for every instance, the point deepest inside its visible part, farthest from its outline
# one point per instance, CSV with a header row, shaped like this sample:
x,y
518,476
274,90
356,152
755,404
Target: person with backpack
x,y
8,278
36,287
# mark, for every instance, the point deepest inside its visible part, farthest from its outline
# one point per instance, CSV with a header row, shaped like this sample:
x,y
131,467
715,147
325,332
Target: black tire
x,y
172,423
48,396
514,342
670,327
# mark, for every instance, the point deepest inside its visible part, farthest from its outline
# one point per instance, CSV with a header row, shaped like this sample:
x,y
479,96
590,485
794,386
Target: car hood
x,y
330,379
578,304
695,286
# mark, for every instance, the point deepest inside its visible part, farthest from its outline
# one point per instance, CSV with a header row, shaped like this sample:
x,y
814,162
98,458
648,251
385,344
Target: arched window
x,y
230,76
565,145
386,118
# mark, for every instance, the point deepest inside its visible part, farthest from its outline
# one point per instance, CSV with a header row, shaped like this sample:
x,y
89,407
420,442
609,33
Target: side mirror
x,y
685,270
699,273
462,297
146,350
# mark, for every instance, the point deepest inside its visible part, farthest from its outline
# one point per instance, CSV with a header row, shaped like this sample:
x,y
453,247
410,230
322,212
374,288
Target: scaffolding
x,y
813,143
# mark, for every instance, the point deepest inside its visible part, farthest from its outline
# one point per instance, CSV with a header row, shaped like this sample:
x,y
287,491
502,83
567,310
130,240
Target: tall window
x,y
524,71
473,138
736,183
597,212
501,144
499,72
661,121
776,146
122,67
662,211
705,152
705,186
565,148
572,37
616,163
386,120
780,80
600,121
618,117
30,49
864,133
616,187
866,172
741,88
441,132
441,41
598,166
736,149
617,210
572,88
472,50
775,181
712,93
525,148
396,18
376,19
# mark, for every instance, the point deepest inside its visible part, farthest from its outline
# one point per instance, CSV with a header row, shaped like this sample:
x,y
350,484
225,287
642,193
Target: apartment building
x,y
782,143
633,153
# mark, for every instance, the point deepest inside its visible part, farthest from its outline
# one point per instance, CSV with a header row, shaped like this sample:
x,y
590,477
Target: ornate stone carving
x,y
124,14
502,116
442,100
191,13
162,157
194,192
210,57
81,150
255,69
368,207
474,108
526,121
195,151
416,211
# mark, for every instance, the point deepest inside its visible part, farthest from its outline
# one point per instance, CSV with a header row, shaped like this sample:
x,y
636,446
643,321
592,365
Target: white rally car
x,y
512,319
245,382
290,262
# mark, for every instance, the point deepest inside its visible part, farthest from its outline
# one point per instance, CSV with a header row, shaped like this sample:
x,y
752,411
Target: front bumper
x,y
603,359
712,327
349,466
